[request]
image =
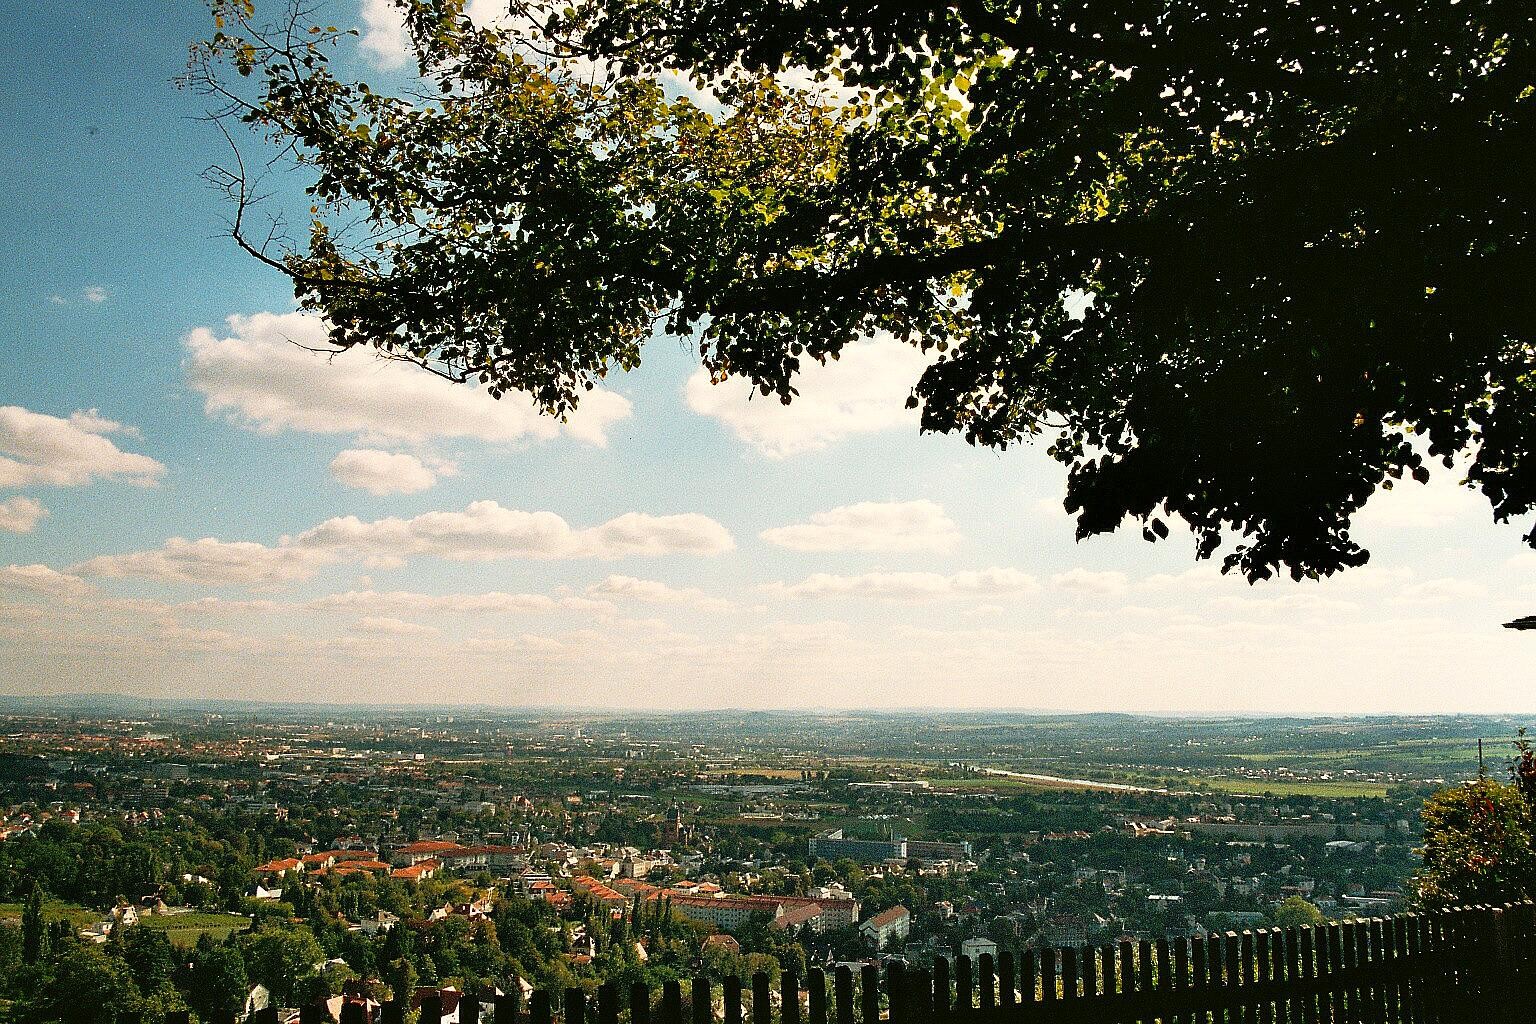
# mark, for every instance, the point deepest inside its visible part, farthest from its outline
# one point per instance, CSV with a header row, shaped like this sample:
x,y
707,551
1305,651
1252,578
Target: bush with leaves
x,y
1478,846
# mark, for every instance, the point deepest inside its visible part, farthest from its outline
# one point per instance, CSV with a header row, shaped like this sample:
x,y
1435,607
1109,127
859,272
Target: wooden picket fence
x,y
1463,964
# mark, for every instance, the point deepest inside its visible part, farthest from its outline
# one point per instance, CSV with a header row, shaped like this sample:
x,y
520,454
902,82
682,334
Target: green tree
x,y
33,937
87,986
1478,846
149,956
218,984
1296,912
284,960
1242,264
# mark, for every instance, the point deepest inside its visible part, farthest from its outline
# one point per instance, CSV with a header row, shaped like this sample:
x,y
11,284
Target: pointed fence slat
x,y
869,994
842,987
730,998
816,995
941,989
762,1001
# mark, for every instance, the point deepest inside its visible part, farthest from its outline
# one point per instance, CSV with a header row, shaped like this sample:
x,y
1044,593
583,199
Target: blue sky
x,y
825,555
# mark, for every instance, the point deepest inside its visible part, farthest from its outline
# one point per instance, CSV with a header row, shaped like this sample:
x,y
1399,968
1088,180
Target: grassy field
x,y
53,910
1331,788
755,771
186,929
181,929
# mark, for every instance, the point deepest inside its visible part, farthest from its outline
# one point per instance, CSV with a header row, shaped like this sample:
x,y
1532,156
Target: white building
x,y
887,927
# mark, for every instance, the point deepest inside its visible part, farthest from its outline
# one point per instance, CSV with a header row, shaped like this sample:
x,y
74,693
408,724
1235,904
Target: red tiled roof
x,y
798,915
886,917
430,846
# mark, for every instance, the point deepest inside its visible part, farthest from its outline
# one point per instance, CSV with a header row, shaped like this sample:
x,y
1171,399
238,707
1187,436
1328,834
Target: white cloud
x,y
492,645
383,625
1414,506
21,515
863,392
1086,581
381,473
384,38
486,531
871,526
95,293
400,602
916,586
630,588
1441,591
41,450
40,579
225,606
212,562
259,379
1304,602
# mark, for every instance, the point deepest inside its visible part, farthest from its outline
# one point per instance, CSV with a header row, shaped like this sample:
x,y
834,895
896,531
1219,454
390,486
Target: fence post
x,y
432,1009
869,994
816,995
469,1009
575,1006
701,1001
607,1004
1502,993
941,988
1029,976
963,983
731,997
762,1012
842,990
920,992
671,1003
789,998
639,1003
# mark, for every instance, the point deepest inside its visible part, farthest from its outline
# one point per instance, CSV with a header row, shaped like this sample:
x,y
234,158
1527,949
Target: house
x,y
720,940
805,914
976,947
475,910
427,849
417,871
383,921
281,867
728,912
887,926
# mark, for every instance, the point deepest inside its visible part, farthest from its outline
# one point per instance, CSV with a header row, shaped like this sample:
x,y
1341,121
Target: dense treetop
x,y
1302,229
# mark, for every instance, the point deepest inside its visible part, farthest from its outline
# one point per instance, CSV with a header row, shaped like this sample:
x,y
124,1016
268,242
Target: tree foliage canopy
x,y
1304,227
